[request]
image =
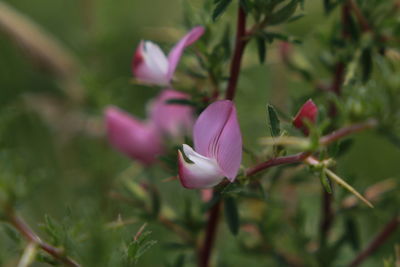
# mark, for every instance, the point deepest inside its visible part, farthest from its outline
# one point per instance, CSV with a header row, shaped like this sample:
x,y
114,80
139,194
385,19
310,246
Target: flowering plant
x,y
268,136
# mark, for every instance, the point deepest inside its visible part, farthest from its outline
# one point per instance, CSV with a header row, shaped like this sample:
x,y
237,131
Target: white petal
x,y
202,173
150,65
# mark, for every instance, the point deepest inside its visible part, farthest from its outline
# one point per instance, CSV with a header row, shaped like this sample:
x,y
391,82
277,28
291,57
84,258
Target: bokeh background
x,y
53,150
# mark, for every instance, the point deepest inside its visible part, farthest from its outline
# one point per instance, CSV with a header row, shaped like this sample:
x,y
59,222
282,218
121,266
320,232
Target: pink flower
x,y
136,139
218,148
172,119
150,65
309,111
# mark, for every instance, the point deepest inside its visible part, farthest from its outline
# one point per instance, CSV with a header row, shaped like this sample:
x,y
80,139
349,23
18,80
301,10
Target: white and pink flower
x,y
150,64
218,148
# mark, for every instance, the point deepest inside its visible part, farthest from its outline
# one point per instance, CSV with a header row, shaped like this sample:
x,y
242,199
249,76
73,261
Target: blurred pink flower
x,y
309,111
144,140
150,65
218,144
136,139
172,119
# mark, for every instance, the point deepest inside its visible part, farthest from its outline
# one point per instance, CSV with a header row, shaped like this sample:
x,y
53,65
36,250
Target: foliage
x,y
61,179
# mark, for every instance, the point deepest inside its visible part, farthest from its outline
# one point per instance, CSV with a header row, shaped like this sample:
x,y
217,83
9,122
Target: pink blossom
x,y
309,111
150,65
136,139
218,148
172,119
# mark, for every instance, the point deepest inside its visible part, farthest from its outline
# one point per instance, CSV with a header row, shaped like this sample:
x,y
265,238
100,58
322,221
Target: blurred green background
x,y
53,150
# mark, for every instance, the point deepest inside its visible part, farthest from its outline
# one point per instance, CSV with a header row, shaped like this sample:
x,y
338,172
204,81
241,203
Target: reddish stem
x,y
385,233
325,140
24,229
345,131
277,161
240,44
205,251
327,216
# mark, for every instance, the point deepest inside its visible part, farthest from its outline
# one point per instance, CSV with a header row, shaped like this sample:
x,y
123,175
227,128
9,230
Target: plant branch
x,y
362,21
240,44
32,237
212,223
300,157
345,131
325,140
383,235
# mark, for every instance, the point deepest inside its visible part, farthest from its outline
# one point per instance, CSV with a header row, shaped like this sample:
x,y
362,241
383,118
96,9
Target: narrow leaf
x,y
221,6
325,182
181,101
352,234
232,215
366,63
284,13
261,50
274,123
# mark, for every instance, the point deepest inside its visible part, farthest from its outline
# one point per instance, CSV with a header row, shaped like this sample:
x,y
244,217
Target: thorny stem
x,y
212,224
325,140
213,217
31,236
383,235
277,161
345,131
362,21
240,44
328,214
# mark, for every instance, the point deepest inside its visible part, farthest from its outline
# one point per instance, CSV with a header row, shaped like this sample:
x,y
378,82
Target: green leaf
x,y
352,234
366,63
284,13
221,6
261,49
246,5
326,183
139,245
52,229
181,101
294,18
231,215
274,123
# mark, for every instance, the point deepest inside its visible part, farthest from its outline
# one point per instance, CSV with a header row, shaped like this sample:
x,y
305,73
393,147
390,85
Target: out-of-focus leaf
x,y
338,149
352,234
366,64
274,123
284,13
246,5
295,18
139,245
261,50
220,7
184,102
231,215
325,182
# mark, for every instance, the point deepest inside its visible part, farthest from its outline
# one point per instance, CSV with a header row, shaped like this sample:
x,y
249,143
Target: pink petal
x,y
202,173
150,65
172,119
217,135
133,138
309,111
177,50
229,147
